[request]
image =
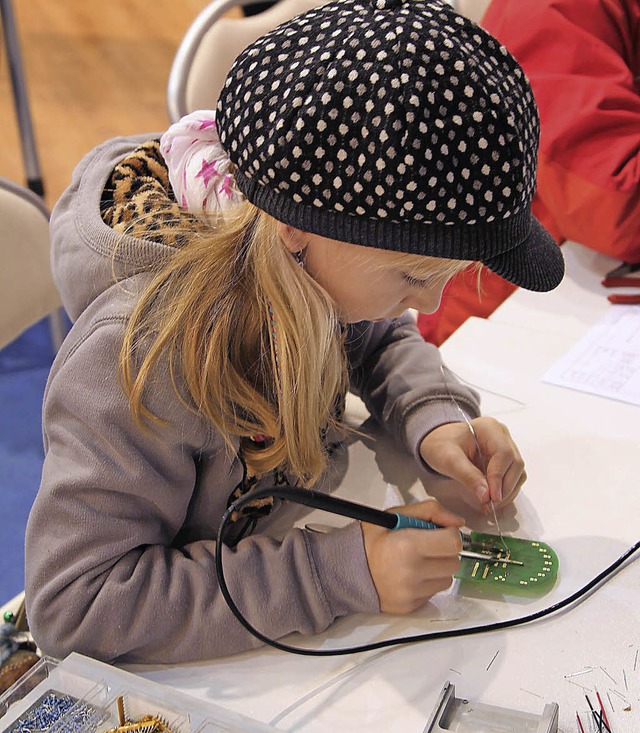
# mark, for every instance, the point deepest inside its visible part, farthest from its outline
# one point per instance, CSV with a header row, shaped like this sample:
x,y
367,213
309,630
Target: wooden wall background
x,y
95,69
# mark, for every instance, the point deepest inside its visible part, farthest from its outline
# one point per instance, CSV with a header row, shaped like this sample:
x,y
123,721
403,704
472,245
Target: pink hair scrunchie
x,y
200,171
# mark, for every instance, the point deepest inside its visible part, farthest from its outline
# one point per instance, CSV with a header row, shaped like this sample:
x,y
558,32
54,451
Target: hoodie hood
x,y
89,256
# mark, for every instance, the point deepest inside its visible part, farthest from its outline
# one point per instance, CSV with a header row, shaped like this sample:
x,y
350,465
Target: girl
x,y
367,151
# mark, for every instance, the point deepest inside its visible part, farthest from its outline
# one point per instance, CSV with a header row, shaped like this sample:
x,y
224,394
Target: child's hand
x,y
452,451
408,566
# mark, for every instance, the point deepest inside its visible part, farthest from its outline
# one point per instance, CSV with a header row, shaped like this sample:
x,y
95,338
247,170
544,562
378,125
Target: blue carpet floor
x,y
24,365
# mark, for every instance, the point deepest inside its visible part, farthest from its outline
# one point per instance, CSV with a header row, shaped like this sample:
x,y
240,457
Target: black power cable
x,y
336,505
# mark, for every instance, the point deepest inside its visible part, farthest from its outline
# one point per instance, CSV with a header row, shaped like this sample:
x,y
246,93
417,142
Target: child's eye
x,y
414,281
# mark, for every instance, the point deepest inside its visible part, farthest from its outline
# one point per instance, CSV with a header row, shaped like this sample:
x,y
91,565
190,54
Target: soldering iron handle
x,y
404,522
345,508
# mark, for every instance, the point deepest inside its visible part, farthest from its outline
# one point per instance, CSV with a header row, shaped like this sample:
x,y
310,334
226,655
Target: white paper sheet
x,y
606,361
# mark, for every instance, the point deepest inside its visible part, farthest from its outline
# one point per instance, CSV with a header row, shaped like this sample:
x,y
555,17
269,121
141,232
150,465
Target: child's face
x,y
366,283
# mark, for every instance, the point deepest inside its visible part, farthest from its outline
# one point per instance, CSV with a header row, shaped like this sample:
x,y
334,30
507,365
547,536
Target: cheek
x,y
368,297
344,285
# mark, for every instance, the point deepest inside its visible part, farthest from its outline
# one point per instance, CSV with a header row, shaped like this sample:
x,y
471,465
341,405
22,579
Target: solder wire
x,y
481,459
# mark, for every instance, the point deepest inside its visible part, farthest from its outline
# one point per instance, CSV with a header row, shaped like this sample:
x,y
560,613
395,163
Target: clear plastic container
x,y
47,699
210,726
31,679
82,695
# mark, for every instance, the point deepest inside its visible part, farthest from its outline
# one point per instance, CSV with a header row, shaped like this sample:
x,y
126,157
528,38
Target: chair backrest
x,y
27,291
210,46
473,9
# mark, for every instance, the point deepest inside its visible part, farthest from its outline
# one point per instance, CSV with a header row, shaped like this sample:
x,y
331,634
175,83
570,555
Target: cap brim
x,y
535,264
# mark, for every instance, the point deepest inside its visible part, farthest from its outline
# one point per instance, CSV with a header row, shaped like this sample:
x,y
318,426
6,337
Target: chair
x,y
214,39
473,9
27,291
21,98
210,46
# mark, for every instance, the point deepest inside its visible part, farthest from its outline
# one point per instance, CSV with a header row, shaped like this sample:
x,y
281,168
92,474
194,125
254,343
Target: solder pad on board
x,y
537,574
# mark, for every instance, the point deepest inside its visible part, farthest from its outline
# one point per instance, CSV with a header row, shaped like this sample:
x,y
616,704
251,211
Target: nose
x,y
426,300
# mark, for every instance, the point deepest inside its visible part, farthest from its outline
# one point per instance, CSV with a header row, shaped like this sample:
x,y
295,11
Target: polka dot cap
x,y
393,124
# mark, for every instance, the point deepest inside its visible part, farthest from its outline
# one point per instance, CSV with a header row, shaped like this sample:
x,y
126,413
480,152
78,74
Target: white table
x,y
571,309
582,497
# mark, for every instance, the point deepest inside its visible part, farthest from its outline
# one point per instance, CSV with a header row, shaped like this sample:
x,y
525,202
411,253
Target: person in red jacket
x,y
582,58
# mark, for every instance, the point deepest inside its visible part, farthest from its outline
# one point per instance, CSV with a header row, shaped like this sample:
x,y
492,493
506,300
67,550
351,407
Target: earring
x,y
299,257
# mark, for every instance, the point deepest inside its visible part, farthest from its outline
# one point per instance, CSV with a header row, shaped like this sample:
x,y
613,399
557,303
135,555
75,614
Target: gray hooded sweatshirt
x,y
121,539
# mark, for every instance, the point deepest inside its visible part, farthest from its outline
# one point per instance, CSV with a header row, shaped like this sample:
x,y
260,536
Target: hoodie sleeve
x,y
403,382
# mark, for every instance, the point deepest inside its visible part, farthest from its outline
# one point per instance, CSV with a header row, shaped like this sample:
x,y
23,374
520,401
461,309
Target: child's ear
x,y
292,238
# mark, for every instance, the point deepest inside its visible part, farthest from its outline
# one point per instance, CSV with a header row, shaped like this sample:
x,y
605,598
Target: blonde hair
x,y
254,339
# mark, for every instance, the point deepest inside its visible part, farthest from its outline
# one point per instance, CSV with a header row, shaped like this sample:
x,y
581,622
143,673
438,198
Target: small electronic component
x,y
61,712
145,724
535,572
456,714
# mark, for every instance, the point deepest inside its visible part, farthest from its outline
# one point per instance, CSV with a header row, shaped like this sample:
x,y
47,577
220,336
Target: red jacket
x,y
582,58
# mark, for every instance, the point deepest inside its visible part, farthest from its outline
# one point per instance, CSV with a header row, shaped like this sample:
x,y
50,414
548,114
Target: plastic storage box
x,y
81,695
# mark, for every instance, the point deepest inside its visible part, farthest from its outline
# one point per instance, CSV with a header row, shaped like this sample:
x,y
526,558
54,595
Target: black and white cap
x,y
395,124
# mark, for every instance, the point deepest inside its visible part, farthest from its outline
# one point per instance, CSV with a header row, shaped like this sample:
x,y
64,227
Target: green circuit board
x,y
536,575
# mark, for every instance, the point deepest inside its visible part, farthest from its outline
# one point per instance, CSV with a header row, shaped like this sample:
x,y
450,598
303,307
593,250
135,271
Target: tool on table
x,y
453,713
624,276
